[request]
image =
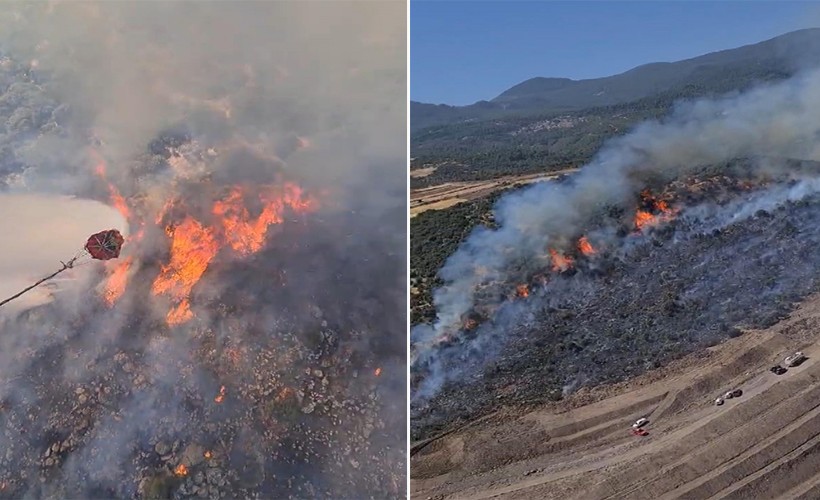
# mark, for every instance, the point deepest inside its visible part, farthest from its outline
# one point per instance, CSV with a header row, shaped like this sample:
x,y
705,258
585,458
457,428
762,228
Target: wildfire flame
x,y
585,247
221,396
247,235
181,470
208,455
522,290
377,371
560,262
652,211
117,281
114,194
194,245
470,324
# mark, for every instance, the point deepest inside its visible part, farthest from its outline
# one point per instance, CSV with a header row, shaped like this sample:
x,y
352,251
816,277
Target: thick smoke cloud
x,y
188,99
773,121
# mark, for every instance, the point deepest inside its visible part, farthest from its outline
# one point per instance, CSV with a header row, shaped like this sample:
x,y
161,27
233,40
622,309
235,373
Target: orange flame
x,y
470,324
115,285
560,262
377,371
585,247
221,396
192,249
652,212
181,470
522,290
246,235
116,198
208,455
194,246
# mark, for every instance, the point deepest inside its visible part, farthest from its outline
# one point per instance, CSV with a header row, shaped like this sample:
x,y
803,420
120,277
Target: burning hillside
x,y
250,340
675,236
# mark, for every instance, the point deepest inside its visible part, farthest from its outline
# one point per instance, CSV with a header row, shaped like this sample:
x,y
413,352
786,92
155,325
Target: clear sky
x,y
465,51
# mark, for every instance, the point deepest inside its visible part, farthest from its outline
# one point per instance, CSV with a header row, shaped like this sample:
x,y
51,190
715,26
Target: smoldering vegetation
x,y
288,381
732,187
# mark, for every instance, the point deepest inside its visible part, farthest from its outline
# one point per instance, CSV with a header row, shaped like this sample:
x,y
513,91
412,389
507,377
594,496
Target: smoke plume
x,y
771,121
250,340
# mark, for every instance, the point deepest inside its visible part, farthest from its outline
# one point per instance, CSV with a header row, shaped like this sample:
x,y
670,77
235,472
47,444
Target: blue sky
x,y
465,51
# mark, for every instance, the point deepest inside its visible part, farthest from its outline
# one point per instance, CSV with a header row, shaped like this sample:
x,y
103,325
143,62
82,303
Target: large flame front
x,y
197,238
194,245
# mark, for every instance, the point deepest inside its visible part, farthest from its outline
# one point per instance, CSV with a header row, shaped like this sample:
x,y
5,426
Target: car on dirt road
x,y
778,370
640,423
795,359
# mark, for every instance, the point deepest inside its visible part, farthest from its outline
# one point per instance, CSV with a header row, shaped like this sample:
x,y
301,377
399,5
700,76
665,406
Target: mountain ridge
x,y
786,54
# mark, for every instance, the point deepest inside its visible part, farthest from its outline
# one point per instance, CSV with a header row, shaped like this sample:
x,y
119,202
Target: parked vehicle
x,y
640,423
778,370
718,401
795,359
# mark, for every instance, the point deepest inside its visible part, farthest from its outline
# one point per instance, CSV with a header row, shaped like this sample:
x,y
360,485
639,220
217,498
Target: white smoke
x,y
780,120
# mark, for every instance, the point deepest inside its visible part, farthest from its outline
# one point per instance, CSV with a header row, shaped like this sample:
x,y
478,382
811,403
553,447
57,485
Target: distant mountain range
x,y
716,72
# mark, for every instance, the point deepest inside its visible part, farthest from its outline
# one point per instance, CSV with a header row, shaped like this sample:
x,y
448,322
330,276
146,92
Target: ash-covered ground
x,y
678,234
111,403
735,259
250,341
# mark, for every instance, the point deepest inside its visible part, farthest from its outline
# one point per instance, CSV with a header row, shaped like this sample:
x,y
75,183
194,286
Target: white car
x,y
794,359
640,423
718,401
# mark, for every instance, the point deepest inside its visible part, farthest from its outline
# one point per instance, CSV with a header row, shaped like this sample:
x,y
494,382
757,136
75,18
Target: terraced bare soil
x,y
765,444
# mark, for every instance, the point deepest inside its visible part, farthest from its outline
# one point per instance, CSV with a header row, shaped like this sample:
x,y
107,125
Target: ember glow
x,y
560,262
377,371
585,247
221,396
181,470
522,290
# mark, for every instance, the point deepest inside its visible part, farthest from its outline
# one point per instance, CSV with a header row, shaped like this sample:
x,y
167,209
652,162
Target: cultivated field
x,y
448,194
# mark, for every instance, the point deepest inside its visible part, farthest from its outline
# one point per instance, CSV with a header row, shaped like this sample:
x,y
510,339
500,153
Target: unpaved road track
x,y
445,195
763,445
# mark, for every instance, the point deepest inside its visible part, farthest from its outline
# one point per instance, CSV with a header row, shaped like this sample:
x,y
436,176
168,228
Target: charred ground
x,y
683,286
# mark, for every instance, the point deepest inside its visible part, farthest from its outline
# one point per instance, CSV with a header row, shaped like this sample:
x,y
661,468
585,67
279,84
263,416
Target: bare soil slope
x,y
765,444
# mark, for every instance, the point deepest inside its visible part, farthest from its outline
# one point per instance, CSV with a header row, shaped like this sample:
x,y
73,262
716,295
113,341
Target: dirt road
x,y
451,193
765,444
